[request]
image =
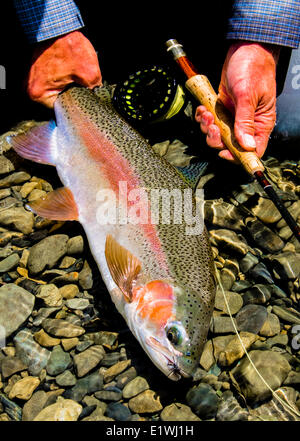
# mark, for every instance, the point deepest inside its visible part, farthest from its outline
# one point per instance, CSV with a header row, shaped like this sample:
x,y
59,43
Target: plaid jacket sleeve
x,y
44,19
266,21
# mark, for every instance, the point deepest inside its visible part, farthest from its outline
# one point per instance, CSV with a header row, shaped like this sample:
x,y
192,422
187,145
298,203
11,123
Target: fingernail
x,y
249,141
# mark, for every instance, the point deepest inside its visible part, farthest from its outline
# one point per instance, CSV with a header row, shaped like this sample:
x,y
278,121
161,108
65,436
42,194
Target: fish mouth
x,y
175,371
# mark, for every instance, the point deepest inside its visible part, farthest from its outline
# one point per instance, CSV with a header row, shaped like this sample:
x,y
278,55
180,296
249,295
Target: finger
x,y
244,124
213,138
226,154
199,112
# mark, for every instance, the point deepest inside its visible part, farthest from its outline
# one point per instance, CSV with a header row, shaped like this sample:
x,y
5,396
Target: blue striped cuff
x,y
45,19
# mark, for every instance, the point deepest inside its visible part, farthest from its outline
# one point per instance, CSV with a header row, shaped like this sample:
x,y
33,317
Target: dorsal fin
x,y
124,267
56,205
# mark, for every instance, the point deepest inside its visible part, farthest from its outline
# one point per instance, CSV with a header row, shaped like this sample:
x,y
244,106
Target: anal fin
x,y
56,205
38,144
124,267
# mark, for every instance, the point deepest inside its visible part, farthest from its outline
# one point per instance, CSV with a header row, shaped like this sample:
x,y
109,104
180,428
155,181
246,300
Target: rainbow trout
x,y
159,273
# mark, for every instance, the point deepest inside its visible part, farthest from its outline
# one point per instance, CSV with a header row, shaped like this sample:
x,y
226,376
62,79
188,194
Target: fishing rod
x,y
202,90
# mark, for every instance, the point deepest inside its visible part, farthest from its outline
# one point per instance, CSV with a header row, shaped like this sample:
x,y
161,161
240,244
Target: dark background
x,y
126,36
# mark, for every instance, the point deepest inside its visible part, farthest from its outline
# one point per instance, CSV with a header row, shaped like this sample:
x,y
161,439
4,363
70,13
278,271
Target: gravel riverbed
x,y
68,355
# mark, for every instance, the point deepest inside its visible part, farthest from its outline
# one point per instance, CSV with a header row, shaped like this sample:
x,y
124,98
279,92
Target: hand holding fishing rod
x,y
203,91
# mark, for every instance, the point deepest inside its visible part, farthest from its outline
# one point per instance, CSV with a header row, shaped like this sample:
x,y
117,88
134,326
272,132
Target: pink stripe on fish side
x,y
116,169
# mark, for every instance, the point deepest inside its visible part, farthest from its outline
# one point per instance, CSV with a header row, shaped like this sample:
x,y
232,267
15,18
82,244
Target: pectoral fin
x,y
57,205
38,144
123,266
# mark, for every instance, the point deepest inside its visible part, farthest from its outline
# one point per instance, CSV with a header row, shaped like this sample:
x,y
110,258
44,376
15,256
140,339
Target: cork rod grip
x,y
203,91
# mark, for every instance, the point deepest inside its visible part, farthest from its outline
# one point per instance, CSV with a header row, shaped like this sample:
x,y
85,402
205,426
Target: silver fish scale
x,y
189,257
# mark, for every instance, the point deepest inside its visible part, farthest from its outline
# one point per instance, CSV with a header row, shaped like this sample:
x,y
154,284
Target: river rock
x,y
86,277
34,405
24,388
222,214
271,326
230,410
286,265
266,211
115,370
273,367
69,291
230,241
50,295
58,362
221,325
47,252
77,304
75,245
46,340
288,315
62,328
9,263
264,236
146,402
248,262
118,412
251,318
234,350
260,274
88,360
178,412
135,387
258,294
203,400
84,386
235,301
66,379
18,218
30,352
62,410
16,305
11,365
6,166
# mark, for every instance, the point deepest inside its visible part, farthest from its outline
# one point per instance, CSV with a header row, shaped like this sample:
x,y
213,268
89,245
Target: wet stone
x,y
135,387
146,402
266,211
88,360
113,371
18,218
58,362
16,304
75,245
203,400
235,301
62,328
290,316
77,304
24,388
66,379
221,325
259,294
229,240
260,274
42,338
50,295
248,262
251,318
271,326
230,409
178,412
118,412
14,178
109,395
34,405
47,252
125,377
11,365
273,367
9,263
110,359
6,166
264,237
30,352
222,214
69,291
62,410
84,386
286,265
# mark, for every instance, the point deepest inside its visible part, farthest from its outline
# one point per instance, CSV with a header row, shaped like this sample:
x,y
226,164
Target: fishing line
x,y
283,403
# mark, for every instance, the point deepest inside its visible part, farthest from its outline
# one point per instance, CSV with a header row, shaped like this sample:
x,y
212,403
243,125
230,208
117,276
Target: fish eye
x,y
174,335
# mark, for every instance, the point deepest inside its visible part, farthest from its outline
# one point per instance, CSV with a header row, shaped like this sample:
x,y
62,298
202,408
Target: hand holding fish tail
x,y
70,58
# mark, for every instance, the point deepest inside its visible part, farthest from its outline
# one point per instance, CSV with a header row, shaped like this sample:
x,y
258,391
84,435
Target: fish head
x,y
172,325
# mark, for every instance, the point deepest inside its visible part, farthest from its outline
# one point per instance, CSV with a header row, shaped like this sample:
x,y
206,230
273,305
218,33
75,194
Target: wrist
x,y
267,48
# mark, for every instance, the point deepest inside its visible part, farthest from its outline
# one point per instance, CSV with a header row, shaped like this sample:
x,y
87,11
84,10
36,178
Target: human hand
x,y
58,62
248,90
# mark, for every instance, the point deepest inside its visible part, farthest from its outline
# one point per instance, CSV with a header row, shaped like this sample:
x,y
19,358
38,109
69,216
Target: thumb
x,y
244,124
